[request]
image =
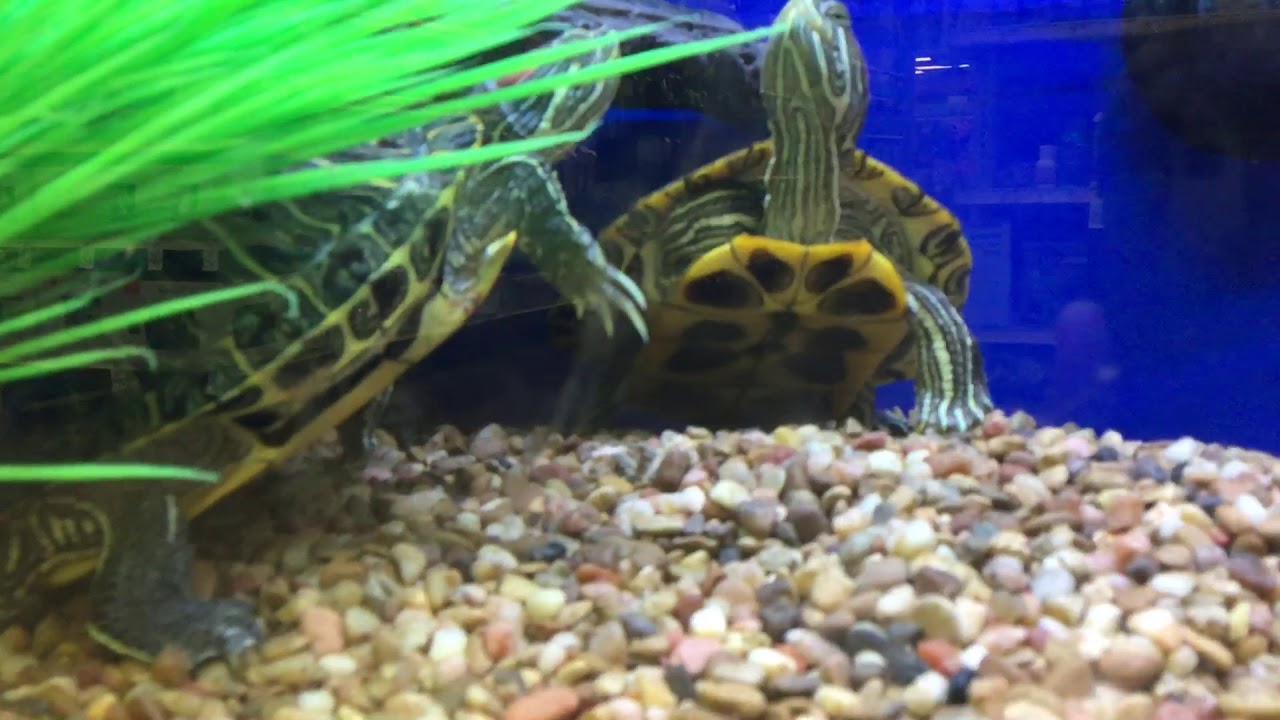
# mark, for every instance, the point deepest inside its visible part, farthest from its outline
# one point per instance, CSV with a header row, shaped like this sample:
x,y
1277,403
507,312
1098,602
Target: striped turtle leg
x,y
950,385
521,194
141,592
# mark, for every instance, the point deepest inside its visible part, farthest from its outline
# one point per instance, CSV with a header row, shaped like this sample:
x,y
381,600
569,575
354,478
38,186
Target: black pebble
x,y
552,551
902,664
884,513
1147,466
637,625
1106,453
1141,569
1208,502
958,688
729,554
680,682
1177,472
778,617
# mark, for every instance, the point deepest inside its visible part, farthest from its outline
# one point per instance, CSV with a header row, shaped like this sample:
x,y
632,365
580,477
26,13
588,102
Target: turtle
x,y
793,276
382,274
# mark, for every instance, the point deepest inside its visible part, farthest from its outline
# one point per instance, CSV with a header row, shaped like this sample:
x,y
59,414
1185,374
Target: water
x,y
1124,274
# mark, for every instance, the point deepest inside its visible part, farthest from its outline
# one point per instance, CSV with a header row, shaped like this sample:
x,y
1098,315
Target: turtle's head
x,y
814,88
565,109
815,67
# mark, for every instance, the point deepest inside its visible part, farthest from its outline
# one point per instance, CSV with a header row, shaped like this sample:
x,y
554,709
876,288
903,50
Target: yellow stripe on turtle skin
x,y
938,254
758,312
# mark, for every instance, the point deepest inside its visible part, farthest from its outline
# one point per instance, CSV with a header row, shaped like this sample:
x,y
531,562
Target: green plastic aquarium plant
x,y
189,109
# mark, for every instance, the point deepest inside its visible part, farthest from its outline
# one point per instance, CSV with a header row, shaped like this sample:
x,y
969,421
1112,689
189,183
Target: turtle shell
x,y
747,329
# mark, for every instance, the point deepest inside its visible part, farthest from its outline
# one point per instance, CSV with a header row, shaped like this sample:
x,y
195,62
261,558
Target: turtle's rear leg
x,y
950,385
141,592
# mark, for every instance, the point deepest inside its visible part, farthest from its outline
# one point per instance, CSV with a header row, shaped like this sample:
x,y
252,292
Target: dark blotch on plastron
x,y
771,271
723,289
363,319
823,367
866,297
843,339
713,331
316,352
826,274
389,290
695,359
259,420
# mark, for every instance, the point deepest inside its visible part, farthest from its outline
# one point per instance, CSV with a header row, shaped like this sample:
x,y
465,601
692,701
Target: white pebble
x,y
337,664
1182,450
849,522
1233,469
869,503
414,628
973,656
320,701
884,462
448,642
895,603
709,621
737,470
729,494
543,603
913,538
551,657
1251,508
925,694
772,661
360,622
820,457
1153,622
1103,618
1175,584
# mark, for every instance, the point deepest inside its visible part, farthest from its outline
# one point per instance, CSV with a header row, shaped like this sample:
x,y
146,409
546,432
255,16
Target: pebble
x,y
808,572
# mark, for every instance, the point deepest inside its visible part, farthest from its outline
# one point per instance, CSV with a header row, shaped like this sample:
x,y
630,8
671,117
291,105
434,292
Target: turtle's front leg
x,y
950,385
523,194
141,592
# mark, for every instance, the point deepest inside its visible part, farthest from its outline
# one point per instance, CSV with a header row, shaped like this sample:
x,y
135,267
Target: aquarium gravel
x,y
1019,573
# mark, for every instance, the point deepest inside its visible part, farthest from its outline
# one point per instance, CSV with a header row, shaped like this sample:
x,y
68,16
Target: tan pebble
x,y
936,615
610,683
410,561
1132,662
552,703
545,603
1256,706
1070,674
840,703
739,701
440,582
988,694
1211,650
1136,706
499,639
830,590
323,628
410,704
106,707
1239,620
1026,710
1158,625
517,587
653,689
579,669
1173,556
294,671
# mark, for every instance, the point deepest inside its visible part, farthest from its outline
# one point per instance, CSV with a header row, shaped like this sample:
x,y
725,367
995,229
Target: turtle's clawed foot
x,y
202,629
607,290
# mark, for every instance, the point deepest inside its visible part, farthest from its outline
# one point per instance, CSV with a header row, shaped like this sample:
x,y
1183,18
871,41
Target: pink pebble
x,y
323,627
694,653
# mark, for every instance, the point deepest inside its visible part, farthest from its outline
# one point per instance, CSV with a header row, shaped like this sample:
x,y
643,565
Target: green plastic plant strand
x,y
120,321
49,312
71,361
97,472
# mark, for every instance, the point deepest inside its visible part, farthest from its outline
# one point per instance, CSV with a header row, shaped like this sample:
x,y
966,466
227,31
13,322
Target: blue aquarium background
x,y
1122,277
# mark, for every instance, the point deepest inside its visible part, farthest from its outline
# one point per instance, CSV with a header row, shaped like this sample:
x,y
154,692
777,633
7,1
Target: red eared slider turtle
x,y
383,274
797,272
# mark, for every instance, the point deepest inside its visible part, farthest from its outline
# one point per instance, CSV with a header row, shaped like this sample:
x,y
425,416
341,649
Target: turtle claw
x,y
612,291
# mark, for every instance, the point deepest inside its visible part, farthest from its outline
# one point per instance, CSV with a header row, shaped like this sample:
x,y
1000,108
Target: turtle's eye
x,y
837,12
